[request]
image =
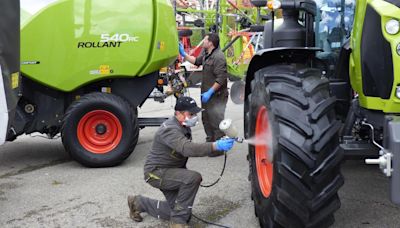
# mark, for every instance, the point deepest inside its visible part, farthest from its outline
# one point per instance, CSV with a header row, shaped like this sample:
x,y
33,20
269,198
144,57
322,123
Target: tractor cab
x,y
336,20
334,28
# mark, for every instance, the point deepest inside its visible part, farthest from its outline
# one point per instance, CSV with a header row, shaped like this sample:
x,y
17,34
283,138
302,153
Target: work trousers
x,y
179,187
213,114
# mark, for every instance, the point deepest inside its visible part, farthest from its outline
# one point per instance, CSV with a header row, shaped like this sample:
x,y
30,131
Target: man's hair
x,y
214,39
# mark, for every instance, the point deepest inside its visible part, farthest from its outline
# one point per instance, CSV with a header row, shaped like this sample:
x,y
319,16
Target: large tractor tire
x,y
295,159
100,130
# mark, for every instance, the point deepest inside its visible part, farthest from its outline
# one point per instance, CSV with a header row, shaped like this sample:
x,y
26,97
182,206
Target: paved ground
x,y
40,186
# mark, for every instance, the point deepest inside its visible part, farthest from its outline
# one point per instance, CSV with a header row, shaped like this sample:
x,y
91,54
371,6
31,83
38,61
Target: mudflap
x,y
392,136
9,63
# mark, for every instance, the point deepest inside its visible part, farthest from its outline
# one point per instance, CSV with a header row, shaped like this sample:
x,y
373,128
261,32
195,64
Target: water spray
x,y
264,139
230,131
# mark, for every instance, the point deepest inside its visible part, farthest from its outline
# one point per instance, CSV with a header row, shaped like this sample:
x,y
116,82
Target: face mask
x,y
191,122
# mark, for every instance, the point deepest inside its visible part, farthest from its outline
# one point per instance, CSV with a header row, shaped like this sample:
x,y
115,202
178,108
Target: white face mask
x,y
191,122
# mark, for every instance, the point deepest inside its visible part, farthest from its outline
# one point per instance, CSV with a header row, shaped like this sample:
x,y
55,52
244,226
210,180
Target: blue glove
x,y
182,51
224,144
205,97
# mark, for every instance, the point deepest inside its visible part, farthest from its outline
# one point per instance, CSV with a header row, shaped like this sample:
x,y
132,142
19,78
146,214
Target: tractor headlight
x,y
392,26
398,91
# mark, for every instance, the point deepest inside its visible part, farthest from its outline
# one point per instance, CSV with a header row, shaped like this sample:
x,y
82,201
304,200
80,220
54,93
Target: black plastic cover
x,y
309,6
376,58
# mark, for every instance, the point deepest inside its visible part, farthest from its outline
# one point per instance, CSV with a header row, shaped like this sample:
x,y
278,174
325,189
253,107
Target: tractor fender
x,y
273,56
340,81
342,65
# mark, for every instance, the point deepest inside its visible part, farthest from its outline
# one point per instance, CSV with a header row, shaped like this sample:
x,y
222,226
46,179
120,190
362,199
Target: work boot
x,y
134,211
178,225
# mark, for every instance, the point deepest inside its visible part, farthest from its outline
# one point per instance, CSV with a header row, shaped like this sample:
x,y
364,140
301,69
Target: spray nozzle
x,y
239,139
230,130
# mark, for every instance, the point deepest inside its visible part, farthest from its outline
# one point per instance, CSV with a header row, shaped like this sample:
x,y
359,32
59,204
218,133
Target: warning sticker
x,y
104,69
15,80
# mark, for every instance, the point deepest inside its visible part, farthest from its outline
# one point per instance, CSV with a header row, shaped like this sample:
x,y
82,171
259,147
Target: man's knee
x,y
196,178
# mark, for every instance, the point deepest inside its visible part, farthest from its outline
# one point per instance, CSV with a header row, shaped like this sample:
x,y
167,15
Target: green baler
x,y
68,44
85,68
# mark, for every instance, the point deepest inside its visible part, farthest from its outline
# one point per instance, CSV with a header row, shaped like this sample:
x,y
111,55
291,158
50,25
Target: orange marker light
x,y
269,5
274,5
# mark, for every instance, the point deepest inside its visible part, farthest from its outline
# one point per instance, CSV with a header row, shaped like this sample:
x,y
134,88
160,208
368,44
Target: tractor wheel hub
x,y
101,129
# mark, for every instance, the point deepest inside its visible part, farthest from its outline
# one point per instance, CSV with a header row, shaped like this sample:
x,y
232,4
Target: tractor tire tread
x,y
307,171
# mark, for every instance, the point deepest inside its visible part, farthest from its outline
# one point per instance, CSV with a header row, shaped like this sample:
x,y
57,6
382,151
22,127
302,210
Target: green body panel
x,y
235,65
69,43
165,40
387,12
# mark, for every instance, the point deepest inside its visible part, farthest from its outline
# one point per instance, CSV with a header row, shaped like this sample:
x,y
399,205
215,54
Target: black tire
x,y
92,106
306,157
257,28
237,92
185,33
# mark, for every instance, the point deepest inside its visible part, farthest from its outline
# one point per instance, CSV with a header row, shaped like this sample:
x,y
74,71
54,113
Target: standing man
x,y
214,92
165,167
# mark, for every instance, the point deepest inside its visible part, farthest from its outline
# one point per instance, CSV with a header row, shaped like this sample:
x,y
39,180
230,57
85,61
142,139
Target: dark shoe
x,y
134,212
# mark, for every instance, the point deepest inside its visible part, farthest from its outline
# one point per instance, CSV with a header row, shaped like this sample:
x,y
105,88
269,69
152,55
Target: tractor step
x,y
355,149
151,122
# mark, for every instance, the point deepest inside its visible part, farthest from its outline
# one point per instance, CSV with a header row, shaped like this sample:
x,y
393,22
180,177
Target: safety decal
x,y
14,80
103,70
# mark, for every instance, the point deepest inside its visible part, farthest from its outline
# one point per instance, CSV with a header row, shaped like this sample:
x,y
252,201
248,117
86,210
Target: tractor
x,y
307,109
85,68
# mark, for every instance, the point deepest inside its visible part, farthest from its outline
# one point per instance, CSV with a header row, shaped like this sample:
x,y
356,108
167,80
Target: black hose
x,y
219,178
210,223
210,185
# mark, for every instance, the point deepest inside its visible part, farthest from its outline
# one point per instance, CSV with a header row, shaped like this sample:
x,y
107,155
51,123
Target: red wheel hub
x,y
99,131
264,164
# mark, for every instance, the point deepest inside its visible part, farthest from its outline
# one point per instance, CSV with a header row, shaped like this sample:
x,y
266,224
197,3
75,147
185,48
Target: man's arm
x,y
190,59
193,60
220,73
178,142
216,86
219,70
